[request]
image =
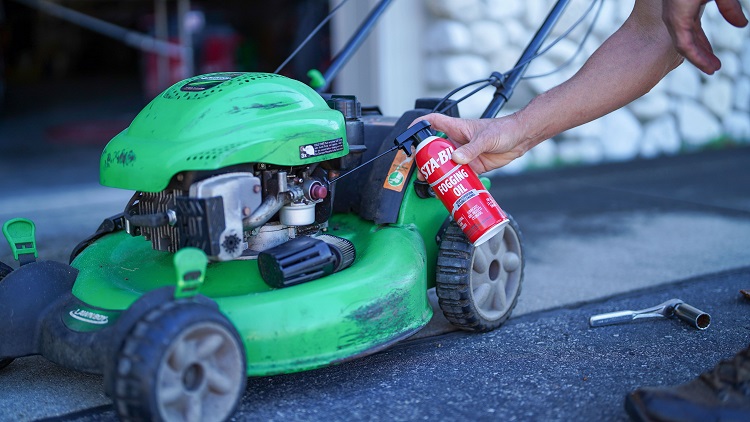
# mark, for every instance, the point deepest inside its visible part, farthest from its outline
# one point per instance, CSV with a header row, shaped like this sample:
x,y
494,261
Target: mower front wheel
x,y
478,287
182,361
4,271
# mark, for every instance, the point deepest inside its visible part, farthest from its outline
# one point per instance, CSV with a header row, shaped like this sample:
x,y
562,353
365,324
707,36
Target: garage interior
x,y
66,85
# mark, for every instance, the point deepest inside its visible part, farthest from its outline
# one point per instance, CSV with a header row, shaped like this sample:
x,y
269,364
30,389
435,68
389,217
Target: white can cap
x,y
489,234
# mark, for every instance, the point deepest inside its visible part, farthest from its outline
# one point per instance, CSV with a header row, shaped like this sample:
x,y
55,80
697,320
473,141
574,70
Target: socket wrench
x,y
673,307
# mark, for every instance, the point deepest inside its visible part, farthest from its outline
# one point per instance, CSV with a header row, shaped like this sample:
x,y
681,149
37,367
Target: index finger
x,y
731,10
687,41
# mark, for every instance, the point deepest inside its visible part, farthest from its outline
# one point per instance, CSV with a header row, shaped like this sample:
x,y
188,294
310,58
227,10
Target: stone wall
x,y
468,39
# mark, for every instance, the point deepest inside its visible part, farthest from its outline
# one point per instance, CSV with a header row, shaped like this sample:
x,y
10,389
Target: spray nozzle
x,y
409,138
413,136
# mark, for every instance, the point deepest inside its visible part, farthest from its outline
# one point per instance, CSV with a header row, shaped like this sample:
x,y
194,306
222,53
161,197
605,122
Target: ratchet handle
x,y
612,318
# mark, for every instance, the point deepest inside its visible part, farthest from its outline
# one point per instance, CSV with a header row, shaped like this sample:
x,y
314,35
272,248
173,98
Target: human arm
x,y
626,66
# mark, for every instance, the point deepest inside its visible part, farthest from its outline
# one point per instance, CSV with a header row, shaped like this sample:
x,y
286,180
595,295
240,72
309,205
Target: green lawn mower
x,y
244,253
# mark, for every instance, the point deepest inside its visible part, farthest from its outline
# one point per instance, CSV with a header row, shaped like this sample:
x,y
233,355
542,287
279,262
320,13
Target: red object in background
x,y
214,51
151,84
219,53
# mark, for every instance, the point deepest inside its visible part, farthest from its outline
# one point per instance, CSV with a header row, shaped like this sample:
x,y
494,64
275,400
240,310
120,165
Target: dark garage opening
x,y
63,84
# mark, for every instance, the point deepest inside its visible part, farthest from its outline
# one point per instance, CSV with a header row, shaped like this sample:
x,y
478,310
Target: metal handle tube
x,y
505,90
354,42
131,38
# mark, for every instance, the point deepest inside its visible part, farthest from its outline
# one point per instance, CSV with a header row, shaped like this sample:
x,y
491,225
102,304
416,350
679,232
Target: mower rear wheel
x,y
4,271
182,361
478,287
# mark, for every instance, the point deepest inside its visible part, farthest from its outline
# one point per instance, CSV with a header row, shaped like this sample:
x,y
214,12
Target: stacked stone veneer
x,y
467,39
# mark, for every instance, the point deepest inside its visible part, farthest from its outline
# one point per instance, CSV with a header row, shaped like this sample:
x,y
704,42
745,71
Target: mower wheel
x,y
182,361
478,287
4,271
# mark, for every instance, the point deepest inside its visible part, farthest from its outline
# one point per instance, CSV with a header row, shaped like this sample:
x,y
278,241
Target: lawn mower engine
x,y
236,164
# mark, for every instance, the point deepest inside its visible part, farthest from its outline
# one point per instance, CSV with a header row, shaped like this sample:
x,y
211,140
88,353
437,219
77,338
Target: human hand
x,y
682,18
483,144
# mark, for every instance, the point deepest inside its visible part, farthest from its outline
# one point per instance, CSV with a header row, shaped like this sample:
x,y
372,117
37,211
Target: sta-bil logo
x,y
90,317
435,162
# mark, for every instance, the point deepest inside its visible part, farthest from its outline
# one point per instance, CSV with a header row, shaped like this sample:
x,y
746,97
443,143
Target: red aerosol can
x,y
457,186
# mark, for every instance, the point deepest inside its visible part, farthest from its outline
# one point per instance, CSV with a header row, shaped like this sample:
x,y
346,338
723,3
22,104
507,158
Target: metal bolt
x,y
172,217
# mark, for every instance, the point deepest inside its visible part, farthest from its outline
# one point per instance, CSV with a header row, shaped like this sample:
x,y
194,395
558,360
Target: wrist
x,y
524,133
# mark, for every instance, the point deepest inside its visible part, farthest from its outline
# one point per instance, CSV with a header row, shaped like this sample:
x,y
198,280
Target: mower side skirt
x,y
380,299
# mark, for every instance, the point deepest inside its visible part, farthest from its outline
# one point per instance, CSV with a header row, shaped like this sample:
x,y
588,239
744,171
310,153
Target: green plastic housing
x,y
221,119
380,299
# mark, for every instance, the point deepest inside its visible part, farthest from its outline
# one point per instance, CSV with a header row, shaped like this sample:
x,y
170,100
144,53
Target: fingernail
x,y
459,156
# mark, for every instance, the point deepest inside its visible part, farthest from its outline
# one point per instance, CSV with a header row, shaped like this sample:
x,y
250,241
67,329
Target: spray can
x,y
457,186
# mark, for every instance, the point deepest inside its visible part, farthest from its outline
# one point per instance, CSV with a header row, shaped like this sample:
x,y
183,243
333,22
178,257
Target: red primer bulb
x,y
458,187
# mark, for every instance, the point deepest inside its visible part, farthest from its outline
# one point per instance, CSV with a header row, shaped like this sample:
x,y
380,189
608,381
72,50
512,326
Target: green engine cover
x,y
221,119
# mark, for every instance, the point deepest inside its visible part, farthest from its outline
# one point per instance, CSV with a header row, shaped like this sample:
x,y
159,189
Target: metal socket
x,y
692,316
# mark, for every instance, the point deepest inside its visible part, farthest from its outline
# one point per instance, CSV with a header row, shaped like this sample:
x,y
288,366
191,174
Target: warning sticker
x,y
209,81
398,172
321,148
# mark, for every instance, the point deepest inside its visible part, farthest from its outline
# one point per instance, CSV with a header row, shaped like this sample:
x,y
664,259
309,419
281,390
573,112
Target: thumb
x,y
466,153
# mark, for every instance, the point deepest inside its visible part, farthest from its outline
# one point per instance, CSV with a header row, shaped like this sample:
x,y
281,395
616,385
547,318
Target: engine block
x,y
163,238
